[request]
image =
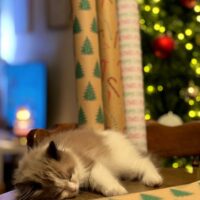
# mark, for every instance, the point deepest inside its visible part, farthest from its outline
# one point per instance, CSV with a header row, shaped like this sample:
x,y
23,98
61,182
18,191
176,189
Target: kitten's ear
x,y
52,151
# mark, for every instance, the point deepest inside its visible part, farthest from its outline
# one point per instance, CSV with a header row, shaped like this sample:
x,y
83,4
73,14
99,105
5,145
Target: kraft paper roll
x,y
131,64
88,73
110,63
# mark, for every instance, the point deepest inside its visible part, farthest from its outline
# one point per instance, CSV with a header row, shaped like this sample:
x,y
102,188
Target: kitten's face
x,y
47,174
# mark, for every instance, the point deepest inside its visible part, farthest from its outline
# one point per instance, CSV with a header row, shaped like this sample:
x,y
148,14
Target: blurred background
x,y
27,39
36,75
170,42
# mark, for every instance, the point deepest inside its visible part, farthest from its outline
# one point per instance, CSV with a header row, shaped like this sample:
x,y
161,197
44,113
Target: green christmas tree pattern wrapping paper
x,y
110,63
131,64
183,192
88,72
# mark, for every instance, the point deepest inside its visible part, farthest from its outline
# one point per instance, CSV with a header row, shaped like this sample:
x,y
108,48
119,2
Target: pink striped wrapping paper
x,y
131,64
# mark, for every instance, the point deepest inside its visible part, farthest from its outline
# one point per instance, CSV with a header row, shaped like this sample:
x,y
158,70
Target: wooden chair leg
x,y
2,188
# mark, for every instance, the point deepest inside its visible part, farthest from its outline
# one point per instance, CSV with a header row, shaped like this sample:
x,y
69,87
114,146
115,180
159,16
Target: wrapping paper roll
x,y
88,75
131,64
110,63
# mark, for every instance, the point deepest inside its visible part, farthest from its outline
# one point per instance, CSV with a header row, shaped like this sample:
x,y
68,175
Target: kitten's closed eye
x,y
36,186
32,185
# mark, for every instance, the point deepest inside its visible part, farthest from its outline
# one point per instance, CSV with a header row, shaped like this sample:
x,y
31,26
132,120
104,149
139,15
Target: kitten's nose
x,y
73,186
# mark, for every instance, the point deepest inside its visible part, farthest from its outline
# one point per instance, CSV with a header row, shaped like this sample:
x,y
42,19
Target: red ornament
x,y
163,46
188,3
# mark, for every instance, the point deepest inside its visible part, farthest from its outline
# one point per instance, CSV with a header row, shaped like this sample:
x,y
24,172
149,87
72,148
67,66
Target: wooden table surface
x,y
172,177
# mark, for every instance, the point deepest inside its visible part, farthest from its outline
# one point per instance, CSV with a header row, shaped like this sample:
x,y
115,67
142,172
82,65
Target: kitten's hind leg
x,y
103,181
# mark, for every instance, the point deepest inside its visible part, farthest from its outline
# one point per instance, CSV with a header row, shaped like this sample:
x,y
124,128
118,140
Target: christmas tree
x,y
76,26
94,27
149,197
84,5
170,32
100,116
97,71
180,193
79,71
87,47
89,93
81,116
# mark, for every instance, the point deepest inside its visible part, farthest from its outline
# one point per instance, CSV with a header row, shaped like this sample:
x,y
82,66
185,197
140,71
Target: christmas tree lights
x,y
171,57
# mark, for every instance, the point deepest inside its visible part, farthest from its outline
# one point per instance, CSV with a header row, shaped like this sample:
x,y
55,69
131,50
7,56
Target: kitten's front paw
x,y
152,179
114,191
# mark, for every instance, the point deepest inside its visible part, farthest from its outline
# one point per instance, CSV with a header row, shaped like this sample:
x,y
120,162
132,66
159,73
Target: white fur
x,y
124,161
103,181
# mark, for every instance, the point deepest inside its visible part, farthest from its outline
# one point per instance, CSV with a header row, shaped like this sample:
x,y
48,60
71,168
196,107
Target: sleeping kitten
x,y
68,161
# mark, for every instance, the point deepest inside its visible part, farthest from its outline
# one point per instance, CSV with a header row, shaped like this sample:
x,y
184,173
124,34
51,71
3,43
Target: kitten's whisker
x,y
26,195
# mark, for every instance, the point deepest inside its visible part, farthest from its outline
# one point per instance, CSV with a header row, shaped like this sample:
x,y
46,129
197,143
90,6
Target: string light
x,y
147,8
192,114
162,29
181,36
156,27
160,88
198,113
193,61
194,64
147,68
188,32
198,18
198,98
144,27
175,165
189,169
150,89
147,116
191,90
197,8
197,71
142,21
156,1
156,10
191,102
189,46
